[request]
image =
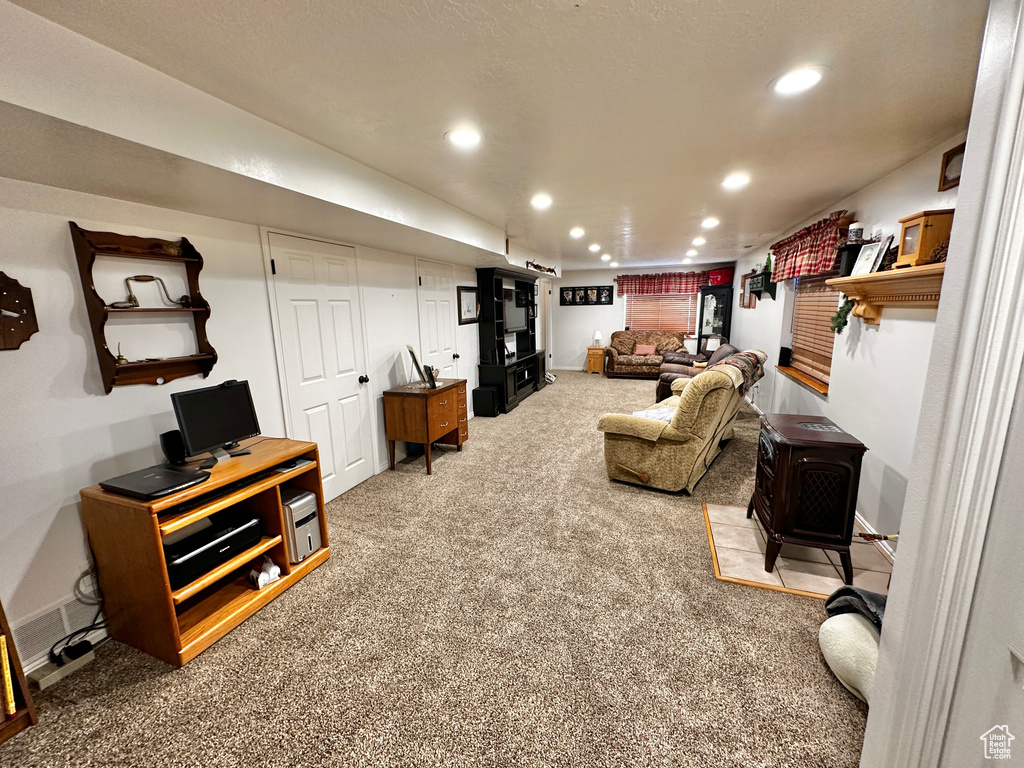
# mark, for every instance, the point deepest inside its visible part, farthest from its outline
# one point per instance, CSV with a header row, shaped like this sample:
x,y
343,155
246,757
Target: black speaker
x,y
173,447
485,401
785,356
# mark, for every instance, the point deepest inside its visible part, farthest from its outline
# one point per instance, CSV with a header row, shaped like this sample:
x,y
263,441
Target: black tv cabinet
x,y
515,377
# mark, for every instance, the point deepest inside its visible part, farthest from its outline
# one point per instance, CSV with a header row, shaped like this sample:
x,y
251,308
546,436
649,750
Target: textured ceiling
x,y
628,113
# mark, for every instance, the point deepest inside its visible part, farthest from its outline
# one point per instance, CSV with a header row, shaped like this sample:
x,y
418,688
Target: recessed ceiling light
x,y
699,241
692,252
737,180
798,81
576,233
594,248
710,222
614,264
541,201
464,138
605,257
687,261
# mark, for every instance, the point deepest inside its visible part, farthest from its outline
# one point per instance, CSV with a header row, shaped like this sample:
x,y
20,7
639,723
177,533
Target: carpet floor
x,y
514,608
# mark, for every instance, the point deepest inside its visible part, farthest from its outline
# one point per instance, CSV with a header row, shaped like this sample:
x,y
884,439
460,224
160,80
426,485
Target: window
x,y
813,309
668,312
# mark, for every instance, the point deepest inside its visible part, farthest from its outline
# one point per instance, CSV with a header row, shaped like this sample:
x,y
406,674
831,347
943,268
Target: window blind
x,y
813,309
676,312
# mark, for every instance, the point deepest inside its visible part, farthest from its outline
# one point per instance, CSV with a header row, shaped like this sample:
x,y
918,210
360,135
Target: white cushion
x,y
849,643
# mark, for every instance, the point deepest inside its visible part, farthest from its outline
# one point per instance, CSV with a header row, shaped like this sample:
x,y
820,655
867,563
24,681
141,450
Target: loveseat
x,y
620,360
672,445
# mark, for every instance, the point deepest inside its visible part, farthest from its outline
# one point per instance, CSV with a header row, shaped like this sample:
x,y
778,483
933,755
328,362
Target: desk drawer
x,y
442,413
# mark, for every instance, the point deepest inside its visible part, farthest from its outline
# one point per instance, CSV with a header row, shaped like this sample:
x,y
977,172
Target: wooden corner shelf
x,y
909,287
89,245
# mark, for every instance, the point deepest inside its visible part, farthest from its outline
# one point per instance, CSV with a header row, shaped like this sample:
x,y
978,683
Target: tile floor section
x,y
740,544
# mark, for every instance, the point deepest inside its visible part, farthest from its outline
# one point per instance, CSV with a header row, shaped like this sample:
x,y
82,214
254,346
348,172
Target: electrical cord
x,y
66,642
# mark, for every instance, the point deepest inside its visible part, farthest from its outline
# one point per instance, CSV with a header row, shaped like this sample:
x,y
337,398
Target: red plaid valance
x,y
811,251
660,284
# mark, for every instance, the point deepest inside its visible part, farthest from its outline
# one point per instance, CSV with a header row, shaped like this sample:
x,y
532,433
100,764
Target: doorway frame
x,y
965,416
275,322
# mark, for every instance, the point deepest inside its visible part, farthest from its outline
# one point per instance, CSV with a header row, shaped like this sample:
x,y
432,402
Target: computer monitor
x,y
214,419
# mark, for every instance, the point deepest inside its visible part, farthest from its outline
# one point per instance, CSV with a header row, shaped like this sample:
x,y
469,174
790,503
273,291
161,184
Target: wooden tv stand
x,y
126,536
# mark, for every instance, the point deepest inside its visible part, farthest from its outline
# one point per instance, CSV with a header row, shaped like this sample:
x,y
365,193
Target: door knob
x,y
455,357
363,379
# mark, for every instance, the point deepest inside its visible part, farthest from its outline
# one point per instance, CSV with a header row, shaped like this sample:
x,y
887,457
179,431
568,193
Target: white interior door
x,y
321,336
436,292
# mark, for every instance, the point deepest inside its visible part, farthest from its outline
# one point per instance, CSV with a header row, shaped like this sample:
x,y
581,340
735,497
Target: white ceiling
x,y
628,114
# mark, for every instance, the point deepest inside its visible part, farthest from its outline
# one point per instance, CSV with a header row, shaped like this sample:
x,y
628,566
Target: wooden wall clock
x,y
17,313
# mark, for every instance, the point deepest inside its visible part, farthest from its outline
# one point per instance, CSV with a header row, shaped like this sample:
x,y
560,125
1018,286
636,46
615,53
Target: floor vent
x,y
36,636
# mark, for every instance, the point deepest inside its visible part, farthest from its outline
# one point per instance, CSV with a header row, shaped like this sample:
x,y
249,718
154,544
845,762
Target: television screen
x,y
515,317
213,417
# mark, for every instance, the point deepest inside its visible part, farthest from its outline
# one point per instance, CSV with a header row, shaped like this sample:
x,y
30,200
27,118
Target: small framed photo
x,y
565,298
469,307
952,164
591,295
882,252
579,296
868,258
533,311
605,295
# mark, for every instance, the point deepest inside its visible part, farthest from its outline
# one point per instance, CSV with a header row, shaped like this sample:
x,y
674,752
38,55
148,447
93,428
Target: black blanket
x,y
855,600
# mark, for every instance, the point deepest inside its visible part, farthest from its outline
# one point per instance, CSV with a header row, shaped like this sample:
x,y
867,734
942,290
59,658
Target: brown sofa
x,y
671,370
619,359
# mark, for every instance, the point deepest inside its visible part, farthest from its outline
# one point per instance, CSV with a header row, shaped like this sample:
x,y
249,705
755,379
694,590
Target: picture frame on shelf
x,y
867,260
469,305
952,164
883,251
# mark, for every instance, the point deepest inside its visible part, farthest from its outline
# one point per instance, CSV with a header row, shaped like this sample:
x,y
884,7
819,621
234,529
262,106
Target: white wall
x,y
573,327
878,372
60,431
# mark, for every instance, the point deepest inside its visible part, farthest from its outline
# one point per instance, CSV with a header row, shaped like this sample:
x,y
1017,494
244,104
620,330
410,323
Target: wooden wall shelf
x,y
909,287
89,245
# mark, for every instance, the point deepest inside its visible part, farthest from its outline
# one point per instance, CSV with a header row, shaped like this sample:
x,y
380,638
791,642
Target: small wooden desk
x,y
126,536
417,414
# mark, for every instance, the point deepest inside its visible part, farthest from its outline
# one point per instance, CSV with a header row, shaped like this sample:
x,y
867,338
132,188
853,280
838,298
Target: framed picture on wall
x,y
565,297
579,296
591,295
605,295
469,307
952,163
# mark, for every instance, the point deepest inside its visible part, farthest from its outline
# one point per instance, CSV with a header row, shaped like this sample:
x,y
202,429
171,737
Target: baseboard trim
x,y
885,546
750,402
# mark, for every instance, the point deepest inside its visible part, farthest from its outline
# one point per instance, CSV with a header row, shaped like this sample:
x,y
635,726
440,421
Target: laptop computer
x,y
154,482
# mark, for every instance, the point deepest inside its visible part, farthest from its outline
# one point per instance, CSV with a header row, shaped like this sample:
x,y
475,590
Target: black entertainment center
x,y
507,308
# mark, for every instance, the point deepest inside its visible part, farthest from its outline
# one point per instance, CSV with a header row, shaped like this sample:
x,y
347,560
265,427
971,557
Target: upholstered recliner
x,y
674,455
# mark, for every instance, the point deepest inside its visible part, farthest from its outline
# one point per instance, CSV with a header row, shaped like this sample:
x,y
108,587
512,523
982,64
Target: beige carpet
x,y
515,608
